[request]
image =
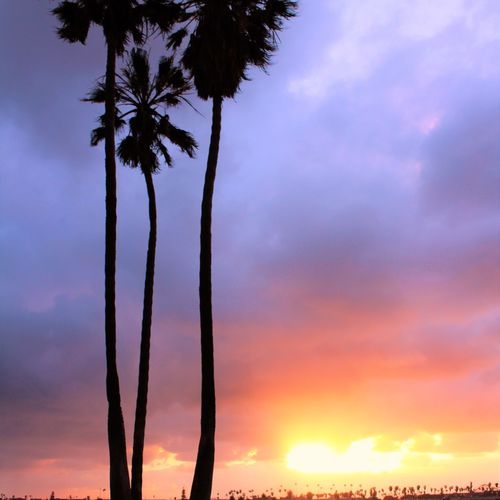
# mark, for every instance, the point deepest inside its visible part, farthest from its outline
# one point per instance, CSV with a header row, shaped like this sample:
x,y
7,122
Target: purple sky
x,y
356,248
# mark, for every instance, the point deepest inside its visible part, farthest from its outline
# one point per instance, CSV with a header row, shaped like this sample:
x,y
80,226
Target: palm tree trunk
x,y
119,477
202,481
147,314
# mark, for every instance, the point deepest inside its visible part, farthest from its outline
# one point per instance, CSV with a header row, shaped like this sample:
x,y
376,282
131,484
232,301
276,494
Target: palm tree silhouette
x,y
116,19
228,37
119,20
144,99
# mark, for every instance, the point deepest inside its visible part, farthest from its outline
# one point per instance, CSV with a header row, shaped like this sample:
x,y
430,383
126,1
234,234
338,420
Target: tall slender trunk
x,y
147,314
202,480
119,477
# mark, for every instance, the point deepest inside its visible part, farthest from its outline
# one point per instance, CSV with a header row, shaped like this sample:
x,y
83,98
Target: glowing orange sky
x,y
356,261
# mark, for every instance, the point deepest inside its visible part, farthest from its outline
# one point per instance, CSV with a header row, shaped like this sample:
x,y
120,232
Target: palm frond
x,y
277,11
119,121
137,73
128,151
149,160
171,75
164,151
137,28
182,139
120,23
74,21
98,94
176,38
97,135
162,13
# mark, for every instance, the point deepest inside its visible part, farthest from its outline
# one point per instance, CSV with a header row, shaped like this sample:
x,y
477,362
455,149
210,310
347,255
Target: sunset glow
x,y
361,456
355,261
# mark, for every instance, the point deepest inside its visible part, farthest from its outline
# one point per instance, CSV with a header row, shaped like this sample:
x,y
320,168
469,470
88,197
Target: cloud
x,y
355,250
460,177
359,47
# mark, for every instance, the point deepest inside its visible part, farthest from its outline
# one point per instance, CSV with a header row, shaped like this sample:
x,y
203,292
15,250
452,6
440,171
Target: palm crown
x,y
229,36
117,17
143,99
120,19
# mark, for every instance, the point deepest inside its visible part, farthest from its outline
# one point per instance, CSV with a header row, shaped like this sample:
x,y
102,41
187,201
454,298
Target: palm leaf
x,y
74,21
97,135
98,94
170,75
164,151
136,73
176,38
182,139
128,151
162,13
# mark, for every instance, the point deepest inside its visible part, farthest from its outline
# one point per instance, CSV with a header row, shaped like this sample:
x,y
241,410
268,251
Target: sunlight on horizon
x,y
361,456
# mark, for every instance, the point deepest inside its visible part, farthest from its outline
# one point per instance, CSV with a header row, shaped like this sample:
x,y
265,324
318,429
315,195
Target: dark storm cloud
x,y
59,343
51,372
43,79
43,236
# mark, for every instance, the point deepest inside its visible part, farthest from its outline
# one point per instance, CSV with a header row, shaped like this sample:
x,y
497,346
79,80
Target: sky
x,y
356,269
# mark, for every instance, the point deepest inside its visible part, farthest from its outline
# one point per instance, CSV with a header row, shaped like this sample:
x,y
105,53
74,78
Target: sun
x,y
311,458
361,456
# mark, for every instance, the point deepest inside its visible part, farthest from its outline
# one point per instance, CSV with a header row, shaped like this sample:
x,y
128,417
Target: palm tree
x,y
228,37
144,100
119,20
115,19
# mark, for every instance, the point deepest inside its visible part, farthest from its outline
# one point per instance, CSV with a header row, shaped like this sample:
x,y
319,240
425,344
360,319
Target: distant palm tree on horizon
x,y
228,36
144,99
